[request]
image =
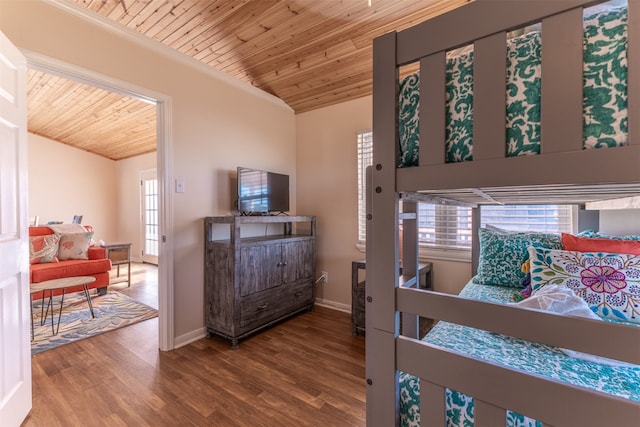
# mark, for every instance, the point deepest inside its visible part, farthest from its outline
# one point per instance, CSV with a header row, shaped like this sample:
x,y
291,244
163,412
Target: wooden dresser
x,y
258,271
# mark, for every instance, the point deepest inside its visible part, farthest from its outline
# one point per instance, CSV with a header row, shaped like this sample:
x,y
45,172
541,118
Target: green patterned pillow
x,y
605,79
609,283
524,69
409,106
459,108
502,255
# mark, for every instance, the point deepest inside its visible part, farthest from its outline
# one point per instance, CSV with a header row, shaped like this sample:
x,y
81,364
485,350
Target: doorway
x,y
164,204
149,217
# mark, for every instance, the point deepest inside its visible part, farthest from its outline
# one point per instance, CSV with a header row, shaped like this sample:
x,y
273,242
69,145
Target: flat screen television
x,y
262,192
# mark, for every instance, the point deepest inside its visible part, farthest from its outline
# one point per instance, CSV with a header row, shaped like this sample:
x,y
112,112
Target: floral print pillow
x,y
609,283
75,246
43,249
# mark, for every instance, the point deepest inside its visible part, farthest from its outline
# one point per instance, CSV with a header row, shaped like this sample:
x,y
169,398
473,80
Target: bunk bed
x,y
475,142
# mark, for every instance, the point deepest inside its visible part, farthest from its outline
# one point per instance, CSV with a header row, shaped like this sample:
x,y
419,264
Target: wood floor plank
x,y
306,371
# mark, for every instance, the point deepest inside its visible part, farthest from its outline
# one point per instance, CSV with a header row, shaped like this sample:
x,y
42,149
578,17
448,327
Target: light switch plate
x,y
179,185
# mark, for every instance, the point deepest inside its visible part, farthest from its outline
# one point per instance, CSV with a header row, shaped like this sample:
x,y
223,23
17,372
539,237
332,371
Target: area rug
x,y
113,310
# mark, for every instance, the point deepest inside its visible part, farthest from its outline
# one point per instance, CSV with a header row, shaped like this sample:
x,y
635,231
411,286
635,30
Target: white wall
x,y
327,188
65,181
129,200
216,126
620,222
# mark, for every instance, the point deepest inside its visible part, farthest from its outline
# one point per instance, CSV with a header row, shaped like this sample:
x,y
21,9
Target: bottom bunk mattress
x,y
526,356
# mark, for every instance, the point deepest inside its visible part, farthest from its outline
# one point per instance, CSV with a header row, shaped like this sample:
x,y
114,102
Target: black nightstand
x,y
358,291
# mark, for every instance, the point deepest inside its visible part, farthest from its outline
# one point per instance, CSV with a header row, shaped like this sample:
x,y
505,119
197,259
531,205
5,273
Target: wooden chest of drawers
x,y
253,282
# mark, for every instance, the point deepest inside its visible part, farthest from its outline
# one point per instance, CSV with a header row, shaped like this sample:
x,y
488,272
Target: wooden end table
x,y
120,253
358,291
63,284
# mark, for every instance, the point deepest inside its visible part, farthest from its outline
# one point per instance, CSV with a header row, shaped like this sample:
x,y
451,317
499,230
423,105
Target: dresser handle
x,y
263,306
298,293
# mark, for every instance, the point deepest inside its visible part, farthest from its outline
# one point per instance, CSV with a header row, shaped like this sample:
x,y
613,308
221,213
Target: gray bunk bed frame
x,y
568,177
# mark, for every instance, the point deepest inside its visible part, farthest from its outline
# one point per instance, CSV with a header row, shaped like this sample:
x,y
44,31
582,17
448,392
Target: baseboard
x,y
190,337
333,305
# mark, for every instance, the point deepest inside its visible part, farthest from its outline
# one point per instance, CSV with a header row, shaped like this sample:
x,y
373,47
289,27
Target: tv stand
x,y
252,282
281,213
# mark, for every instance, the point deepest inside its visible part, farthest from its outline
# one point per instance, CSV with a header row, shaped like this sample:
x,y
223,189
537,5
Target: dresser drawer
x,y
268,305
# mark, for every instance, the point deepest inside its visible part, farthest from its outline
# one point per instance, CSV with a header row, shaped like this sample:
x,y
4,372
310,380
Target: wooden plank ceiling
x,y
309,53
91,119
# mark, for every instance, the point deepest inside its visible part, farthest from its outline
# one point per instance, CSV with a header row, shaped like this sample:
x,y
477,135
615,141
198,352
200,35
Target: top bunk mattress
x,y
604,93
534,358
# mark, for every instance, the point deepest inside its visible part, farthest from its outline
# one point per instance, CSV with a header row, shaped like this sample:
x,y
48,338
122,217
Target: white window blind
x,y
449,227
543,218
444,227
365,158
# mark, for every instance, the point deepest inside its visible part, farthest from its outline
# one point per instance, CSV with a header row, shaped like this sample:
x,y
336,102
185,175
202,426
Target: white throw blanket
x,y
562,300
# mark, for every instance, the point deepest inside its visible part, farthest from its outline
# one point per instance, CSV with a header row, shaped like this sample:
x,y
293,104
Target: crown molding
x,y
95,18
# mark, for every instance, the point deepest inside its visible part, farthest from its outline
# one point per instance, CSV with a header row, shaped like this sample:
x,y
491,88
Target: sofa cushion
x,y
97,252
42,272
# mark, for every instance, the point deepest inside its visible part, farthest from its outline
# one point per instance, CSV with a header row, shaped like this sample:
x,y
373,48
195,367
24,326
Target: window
x,y
449,228
544,218
444,227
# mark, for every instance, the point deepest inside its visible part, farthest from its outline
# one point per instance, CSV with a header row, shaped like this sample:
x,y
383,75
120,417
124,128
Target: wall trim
x,y
190,337
157,47
334,305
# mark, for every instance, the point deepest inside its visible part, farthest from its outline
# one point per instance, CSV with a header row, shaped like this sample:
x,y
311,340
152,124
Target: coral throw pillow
x,y
609,283
43,249
613,246
75,245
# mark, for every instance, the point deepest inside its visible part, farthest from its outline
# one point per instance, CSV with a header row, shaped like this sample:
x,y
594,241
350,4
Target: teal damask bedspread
x,y
516,353
604,104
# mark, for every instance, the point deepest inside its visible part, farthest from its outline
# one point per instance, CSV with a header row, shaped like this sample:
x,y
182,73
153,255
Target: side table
x,y
358,291
120,253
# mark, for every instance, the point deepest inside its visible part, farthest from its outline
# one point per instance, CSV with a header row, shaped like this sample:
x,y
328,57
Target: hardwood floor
x,y
306,371
144,283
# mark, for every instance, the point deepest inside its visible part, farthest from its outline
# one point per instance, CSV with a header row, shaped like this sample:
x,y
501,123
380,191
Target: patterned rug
x,y
113,310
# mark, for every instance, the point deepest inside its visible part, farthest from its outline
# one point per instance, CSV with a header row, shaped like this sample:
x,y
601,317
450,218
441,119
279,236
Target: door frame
x,y
164,166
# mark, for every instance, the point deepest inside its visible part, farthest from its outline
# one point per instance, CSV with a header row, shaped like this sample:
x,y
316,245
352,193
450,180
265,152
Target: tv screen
x,y
262,191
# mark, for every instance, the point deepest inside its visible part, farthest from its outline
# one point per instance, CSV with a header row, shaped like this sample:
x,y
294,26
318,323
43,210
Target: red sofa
x,y
98,266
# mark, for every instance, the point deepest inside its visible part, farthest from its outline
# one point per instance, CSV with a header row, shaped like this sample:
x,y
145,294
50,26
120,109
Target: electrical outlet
x,y
325,276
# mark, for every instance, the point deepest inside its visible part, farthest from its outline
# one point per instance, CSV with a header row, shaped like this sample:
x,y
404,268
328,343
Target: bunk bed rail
x,y
496,388
604,339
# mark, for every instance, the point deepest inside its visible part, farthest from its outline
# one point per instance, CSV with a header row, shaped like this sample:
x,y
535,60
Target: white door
x,y
15,347
150,227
